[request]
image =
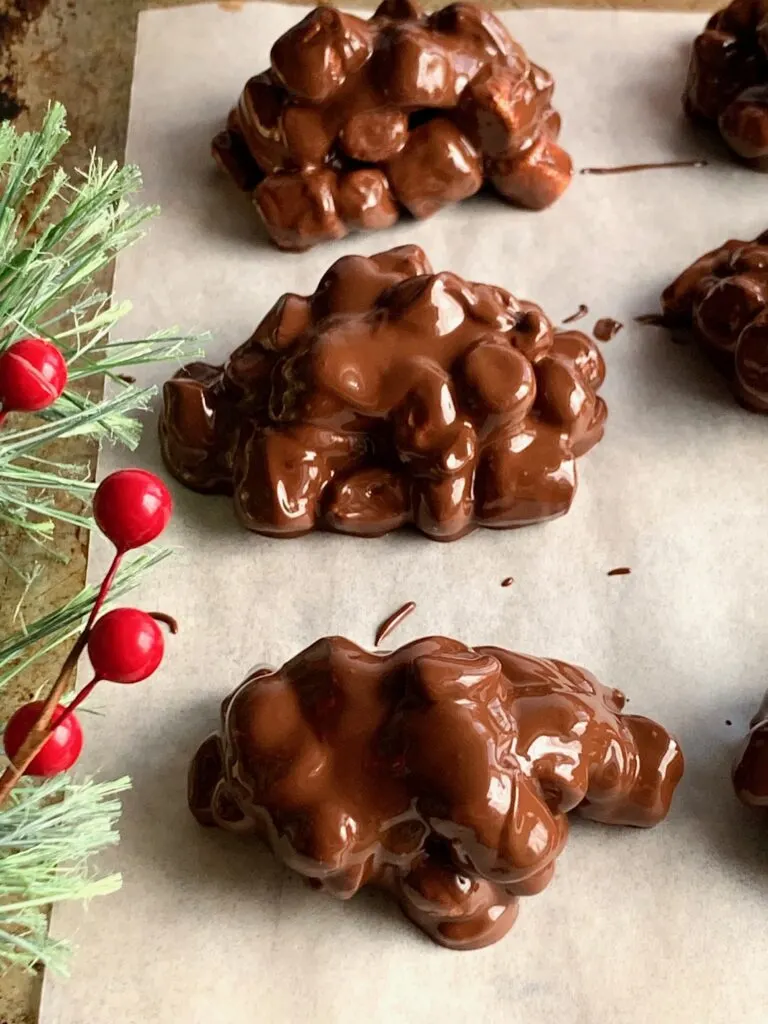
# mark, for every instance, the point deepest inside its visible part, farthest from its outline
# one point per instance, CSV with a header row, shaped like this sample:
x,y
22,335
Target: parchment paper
x,y
637,927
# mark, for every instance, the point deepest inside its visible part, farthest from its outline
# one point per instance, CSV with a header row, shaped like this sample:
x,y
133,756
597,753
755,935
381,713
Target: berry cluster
x,y
131,507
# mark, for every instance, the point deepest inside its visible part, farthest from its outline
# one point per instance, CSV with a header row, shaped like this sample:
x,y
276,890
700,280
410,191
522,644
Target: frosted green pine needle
x,y
48,833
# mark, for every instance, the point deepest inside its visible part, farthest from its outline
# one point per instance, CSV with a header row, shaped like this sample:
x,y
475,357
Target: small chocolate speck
x,y
126,378
607,328
580,313
622,570
728,721
507,581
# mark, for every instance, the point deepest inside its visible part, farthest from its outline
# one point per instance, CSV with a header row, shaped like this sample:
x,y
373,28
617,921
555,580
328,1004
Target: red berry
x,y
33,374
125,646
132,507
61,749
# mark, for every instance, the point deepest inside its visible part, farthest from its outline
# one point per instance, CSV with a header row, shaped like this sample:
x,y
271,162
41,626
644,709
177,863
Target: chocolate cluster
x,y
723,298
750,772
357,121
390,396
442,773
728,78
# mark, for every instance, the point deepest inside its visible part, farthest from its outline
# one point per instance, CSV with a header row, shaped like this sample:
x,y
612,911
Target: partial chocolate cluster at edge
x,y
750,772
723,298
727,84
441,773
357,121
391,396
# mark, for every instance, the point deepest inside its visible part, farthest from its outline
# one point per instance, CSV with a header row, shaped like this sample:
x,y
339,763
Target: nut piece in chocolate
x,y
723,299
357,122
441,773
390,396
727,85
750,770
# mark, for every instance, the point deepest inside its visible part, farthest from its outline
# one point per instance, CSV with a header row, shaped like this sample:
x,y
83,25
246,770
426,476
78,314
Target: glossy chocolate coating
x,y
439,772
723,298
356,121
750,771
727,83
390,396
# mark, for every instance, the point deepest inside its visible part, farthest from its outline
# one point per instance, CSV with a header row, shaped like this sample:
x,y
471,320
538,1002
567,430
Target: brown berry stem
x,y
169,621
42,729
86,691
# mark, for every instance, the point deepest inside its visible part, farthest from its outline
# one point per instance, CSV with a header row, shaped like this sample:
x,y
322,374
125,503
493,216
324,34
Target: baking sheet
x,y
637,927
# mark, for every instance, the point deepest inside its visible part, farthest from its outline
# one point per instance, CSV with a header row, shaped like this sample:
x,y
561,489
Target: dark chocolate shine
x,y
750,771
723,299
727,85
357,122
391,396
441,773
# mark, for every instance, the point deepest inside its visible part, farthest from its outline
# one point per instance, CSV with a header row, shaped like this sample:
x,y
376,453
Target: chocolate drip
x,y
440,773
580,313
632,168
393,621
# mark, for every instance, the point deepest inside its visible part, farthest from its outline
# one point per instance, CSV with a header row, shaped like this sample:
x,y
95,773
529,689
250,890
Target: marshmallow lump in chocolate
x,y
391,396
357,122
723,299
438,772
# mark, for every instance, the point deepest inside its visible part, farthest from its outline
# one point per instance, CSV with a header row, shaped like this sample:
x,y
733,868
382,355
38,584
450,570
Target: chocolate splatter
x,y
507,581
622,570
126,378
580,313
606,328
728,721
629,168
393,621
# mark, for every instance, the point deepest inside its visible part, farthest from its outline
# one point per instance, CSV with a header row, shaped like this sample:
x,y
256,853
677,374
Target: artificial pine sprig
x,y
57,233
